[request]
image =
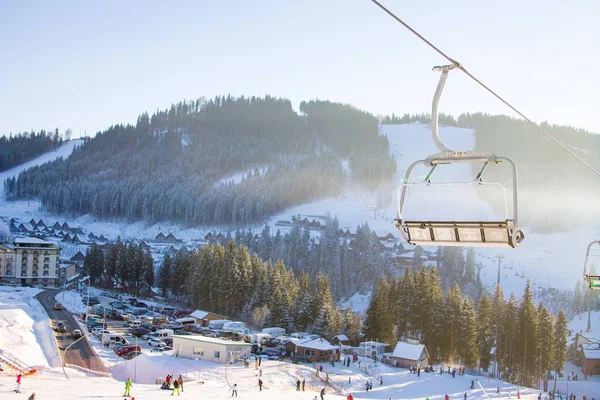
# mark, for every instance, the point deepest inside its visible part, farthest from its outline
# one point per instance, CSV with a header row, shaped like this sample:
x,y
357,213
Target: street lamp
x,y
87,307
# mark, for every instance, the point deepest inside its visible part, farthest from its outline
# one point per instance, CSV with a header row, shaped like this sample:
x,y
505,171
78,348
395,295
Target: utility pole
x,y
500,257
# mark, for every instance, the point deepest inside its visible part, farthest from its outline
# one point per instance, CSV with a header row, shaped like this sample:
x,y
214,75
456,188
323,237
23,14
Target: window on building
x,y
198,351
46,259
46,266
217,354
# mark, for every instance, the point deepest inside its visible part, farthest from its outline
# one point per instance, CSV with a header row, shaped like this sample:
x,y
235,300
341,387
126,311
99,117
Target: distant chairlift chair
x,y
592,281
453,233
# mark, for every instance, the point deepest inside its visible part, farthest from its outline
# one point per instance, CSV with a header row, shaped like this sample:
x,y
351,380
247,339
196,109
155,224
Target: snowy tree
x,y
561,331
485,332
467,345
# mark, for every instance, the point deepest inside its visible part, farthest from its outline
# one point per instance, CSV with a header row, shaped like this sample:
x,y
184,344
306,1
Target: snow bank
x,y
25,328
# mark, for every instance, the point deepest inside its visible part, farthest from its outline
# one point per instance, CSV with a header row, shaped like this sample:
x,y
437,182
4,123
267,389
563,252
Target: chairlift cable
x,y
457,65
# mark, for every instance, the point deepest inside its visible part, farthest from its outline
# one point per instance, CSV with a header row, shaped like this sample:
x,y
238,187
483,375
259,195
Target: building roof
x,y
317,344
199,314
31,240
591,351
341,337
205,339
408,351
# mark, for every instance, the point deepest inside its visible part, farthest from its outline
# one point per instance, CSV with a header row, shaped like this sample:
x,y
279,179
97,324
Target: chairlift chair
x,y
592,281
503,233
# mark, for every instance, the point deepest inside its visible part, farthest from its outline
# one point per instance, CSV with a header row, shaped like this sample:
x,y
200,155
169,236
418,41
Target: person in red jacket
x,y
350,397
18,389
446,397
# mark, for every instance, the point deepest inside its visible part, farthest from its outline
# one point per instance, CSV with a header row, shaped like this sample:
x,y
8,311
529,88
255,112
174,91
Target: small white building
x,y
209,349
369,348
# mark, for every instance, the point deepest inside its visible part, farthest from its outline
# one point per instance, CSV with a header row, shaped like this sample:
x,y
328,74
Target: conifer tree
x,y
546,353
561,331
303,306
164,275
324,306
528,341
485,332
467,345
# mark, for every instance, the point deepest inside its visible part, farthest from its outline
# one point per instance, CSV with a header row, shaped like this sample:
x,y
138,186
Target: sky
x,y
89,65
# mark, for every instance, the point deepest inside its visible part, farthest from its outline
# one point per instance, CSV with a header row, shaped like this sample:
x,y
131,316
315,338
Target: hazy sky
x,y
89,64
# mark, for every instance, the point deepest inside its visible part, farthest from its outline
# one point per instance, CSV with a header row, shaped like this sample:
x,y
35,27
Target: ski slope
x,y
211,381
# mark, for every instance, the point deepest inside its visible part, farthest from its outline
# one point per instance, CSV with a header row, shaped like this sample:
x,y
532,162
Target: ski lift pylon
x,y
503,233
592,281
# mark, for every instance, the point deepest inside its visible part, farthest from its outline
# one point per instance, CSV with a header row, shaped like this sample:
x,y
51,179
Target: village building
x,y
339,340
371,348
317,349
29,261
209,349
410,353
590,358
204,317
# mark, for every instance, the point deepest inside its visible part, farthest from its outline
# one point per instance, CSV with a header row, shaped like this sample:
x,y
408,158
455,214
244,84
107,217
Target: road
x,y
81,353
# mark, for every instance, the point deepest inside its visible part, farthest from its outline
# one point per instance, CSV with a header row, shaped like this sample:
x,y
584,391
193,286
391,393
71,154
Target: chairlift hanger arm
x,y
456,64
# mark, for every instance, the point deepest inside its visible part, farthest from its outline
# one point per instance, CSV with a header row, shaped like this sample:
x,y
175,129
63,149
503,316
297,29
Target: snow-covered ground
x,y
213,381
25,330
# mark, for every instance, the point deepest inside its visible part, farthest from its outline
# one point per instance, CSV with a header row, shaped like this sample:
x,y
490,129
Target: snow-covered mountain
x,y
549,260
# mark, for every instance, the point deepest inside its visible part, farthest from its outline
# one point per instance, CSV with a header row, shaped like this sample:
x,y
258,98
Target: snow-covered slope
x,y
63,151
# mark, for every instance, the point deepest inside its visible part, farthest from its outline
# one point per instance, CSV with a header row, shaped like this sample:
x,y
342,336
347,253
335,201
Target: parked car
x,y
301,358
58,306
131,355
128,349
138,332
77,334
149,335
156,342
99,331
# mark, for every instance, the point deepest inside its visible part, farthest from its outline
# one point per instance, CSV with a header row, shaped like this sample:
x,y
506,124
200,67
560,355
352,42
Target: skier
x,y
180,381
350,397
260,383
381,380
323,394
127,388
446,397
303,383
498,390
367,386
370,385
18,389
234,390
419,371
260,372
298,385
472,384
465,395
518,394
175,387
